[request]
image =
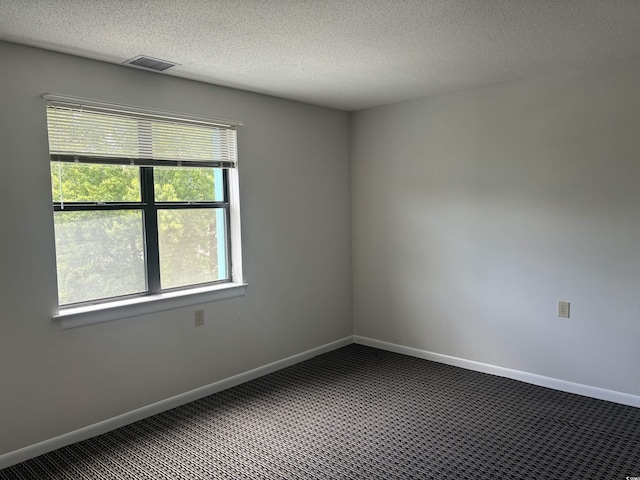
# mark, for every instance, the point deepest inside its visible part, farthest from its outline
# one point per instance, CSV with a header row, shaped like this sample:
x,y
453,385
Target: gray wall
x,y
474,213
294,180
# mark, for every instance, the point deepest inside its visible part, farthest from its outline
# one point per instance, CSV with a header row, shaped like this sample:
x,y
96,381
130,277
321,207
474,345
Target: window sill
x,y
105,312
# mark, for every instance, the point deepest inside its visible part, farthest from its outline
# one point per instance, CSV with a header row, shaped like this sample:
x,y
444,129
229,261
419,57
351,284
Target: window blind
x,y
113,135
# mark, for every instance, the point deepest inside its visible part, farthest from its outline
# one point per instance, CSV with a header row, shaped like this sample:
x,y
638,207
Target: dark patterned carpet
x,y
362,413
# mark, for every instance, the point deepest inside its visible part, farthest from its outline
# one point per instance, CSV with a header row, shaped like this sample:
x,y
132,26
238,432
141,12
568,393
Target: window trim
x,y
79,316
121,308
150,207
76,315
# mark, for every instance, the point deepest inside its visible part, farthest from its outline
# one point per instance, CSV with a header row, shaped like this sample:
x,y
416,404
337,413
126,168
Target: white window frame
x,y
119,308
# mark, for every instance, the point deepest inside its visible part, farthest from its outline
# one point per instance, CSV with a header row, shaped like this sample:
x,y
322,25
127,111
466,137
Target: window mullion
x,y
152,253
79,206
227,219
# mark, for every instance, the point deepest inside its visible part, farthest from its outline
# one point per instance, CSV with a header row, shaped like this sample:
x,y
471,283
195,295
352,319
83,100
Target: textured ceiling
x,y
346,54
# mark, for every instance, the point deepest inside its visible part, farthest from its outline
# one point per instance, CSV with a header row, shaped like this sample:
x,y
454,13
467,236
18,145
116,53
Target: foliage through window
x,y
141,201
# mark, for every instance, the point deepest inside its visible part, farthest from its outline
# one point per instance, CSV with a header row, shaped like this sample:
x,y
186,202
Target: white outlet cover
x,y
199,317
563,309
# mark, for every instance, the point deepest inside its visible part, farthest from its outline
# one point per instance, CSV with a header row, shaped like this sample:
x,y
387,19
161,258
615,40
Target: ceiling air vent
x,y
149,63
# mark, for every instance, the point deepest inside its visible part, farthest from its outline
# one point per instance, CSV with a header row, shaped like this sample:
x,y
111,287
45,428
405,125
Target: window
x,y
143,202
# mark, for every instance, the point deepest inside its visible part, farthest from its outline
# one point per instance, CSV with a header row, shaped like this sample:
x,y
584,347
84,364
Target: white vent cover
x,y
149,63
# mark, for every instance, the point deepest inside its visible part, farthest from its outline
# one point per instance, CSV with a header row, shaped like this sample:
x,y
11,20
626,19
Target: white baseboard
x,y
17,456
556,384
99,428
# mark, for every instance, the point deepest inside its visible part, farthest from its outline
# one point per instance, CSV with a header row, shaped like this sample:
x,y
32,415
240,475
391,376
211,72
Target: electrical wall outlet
x,y
199,317
563,309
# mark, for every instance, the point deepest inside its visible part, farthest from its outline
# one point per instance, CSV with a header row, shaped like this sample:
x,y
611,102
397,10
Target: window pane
x,y
192,246
176,184
99,255
82,182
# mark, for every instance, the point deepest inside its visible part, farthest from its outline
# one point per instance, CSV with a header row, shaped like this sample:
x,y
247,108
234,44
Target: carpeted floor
x,y
362,413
